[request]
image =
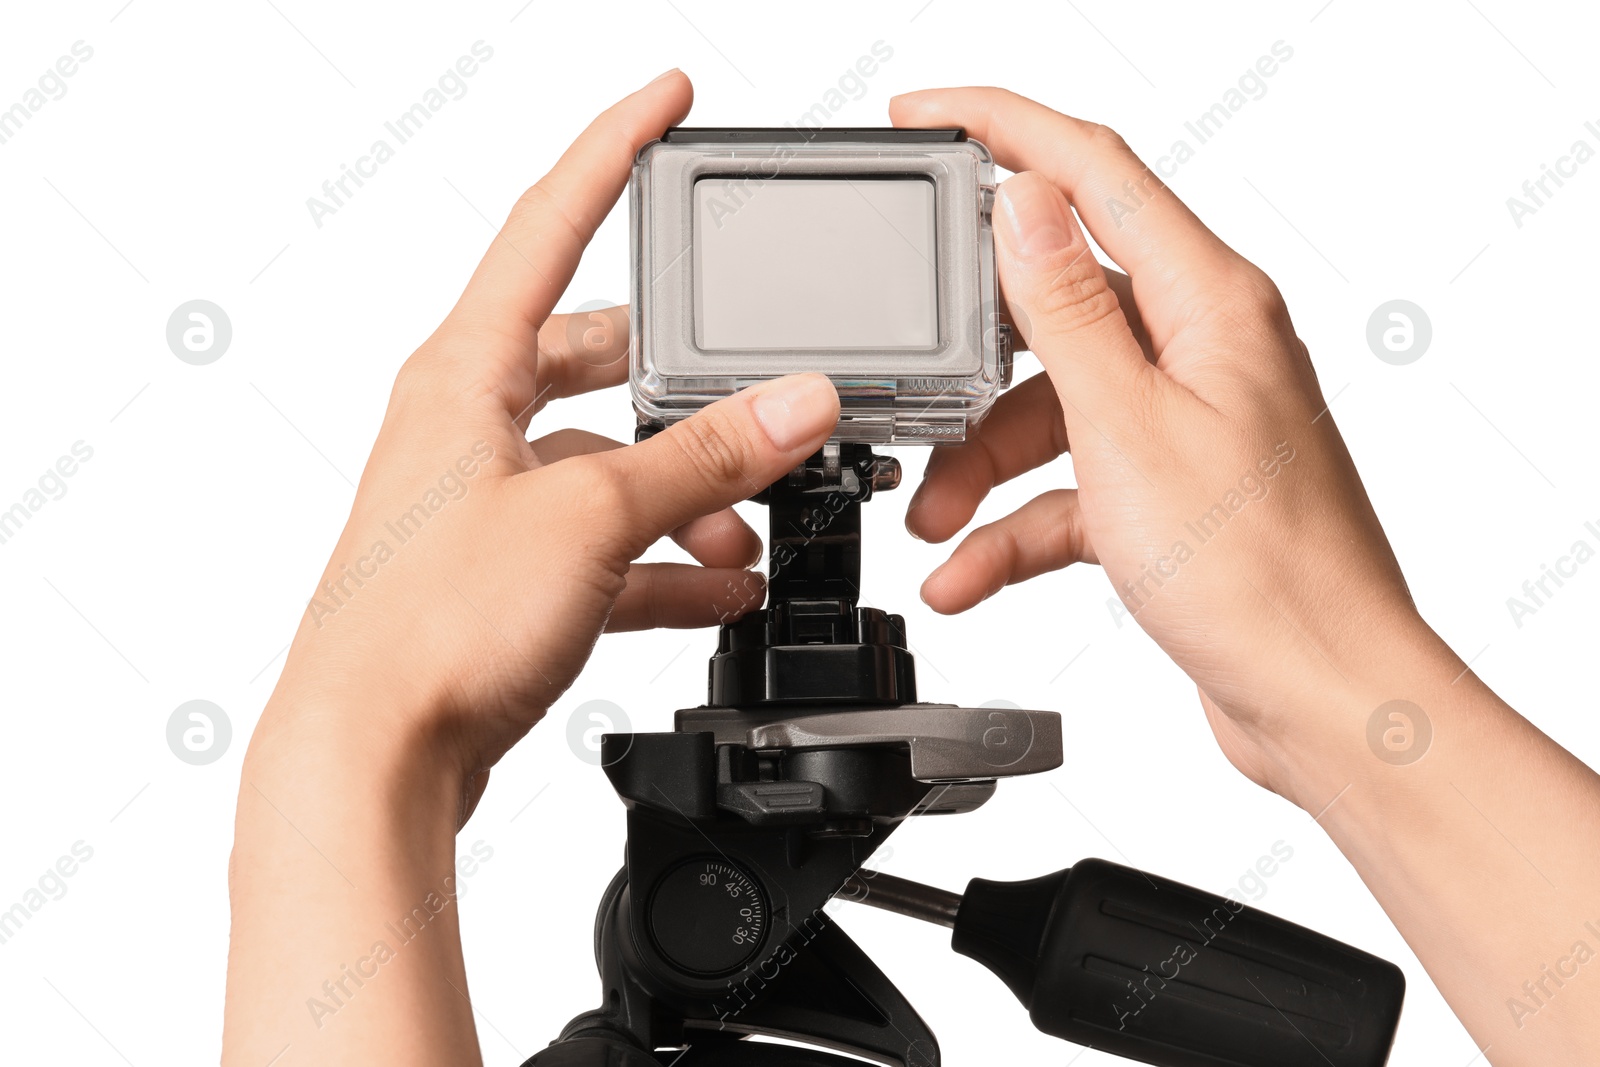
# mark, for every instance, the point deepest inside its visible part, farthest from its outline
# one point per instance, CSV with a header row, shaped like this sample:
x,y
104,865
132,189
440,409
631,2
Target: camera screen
x,y
832,263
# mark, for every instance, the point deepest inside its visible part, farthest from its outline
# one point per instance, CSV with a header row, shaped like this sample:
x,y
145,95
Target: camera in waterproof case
x,y
865,254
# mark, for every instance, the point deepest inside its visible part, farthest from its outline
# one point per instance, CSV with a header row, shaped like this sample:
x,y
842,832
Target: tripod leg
x,y
826,991
820,989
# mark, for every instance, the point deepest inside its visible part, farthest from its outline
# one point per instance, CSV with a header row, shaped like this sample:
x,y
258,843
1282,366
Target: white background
x,y
177,166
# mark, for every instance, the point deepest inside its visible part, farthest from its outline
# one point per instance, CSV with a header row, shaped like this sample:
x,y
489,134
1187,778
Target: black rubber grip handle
x,y
1144,967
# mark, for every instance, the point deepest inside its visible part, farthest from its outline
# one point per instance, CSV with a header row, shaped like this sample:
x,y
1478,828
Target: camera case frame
x,y
895,394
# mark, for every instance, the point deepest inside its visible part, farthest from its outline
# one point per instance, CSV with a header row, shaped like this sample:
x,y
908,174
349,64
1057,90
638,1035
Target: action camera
x,y
865,254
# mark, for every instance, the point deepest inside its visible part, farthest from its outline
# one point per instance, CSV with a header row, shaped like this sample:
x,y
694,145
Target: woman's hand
x,y
1222,503
468,588
1213,486
477,568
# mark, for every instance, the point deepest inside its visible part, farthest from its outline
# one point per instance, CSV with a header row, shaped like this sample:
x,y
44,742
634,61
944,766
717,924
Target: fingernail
x,y
664,74
1035,216
795,410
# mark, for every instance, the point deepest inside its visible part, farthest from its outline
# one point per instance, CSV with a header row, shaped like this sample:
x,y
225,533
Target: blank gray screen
x,y
827,263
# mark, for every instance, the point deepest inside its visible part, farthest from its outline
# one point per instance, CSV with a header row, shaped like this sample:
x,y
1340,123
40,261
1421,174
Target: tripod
x,y
764,804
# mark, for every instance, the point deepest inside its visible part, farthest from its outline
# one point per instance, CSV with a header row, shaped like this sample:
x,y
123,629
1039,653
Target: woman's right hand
x,y
1213,486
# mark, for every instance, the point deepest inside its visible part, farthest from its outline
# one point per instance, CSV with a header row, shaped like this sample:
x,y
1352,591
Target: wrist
x,y
343,858
343,744
1367,719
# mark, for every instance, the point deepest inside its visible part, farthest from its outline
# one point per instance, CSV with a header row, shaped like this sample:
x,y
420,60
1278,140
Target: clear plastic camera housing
x,y
867,255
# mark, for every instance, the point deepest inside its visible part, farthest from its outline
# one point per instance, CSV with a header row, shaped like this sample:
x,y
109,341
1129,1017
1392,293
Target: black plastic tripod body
x,y
748,818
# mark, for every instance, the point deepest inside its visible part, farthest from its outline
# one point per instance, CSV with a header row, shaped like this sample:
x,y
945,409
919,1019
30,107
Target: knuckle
x,y
1261,295
608,581
416,380
596,481
1107,140
538,205
995,546
529,201
978,466
1079,298
714,448
1246,302
1060,444
1069,520
1147,411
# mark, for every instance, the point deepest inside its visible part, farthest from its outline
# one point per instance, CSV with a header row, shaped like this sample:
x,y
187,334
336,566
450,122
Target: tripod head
x,y
759,807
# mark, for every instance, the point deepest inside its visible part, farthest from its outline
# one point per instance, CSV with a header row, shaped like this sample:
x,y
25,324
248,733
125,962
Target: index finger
x,y
1125,206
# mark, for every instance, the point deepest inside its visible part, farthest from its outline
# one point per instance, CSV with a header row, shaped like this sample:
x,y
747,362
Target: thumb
x,y
721,455
1060,300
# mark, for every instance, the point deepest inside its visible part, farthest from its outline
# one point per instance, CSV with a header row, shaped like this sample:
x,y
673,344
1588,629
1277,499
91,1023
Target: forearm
x,y
1484,849
345,942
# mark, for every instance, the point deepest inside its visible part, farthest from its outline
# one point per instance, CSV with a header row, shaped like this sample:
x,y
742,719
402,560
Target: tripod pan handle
x,y
1161,973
